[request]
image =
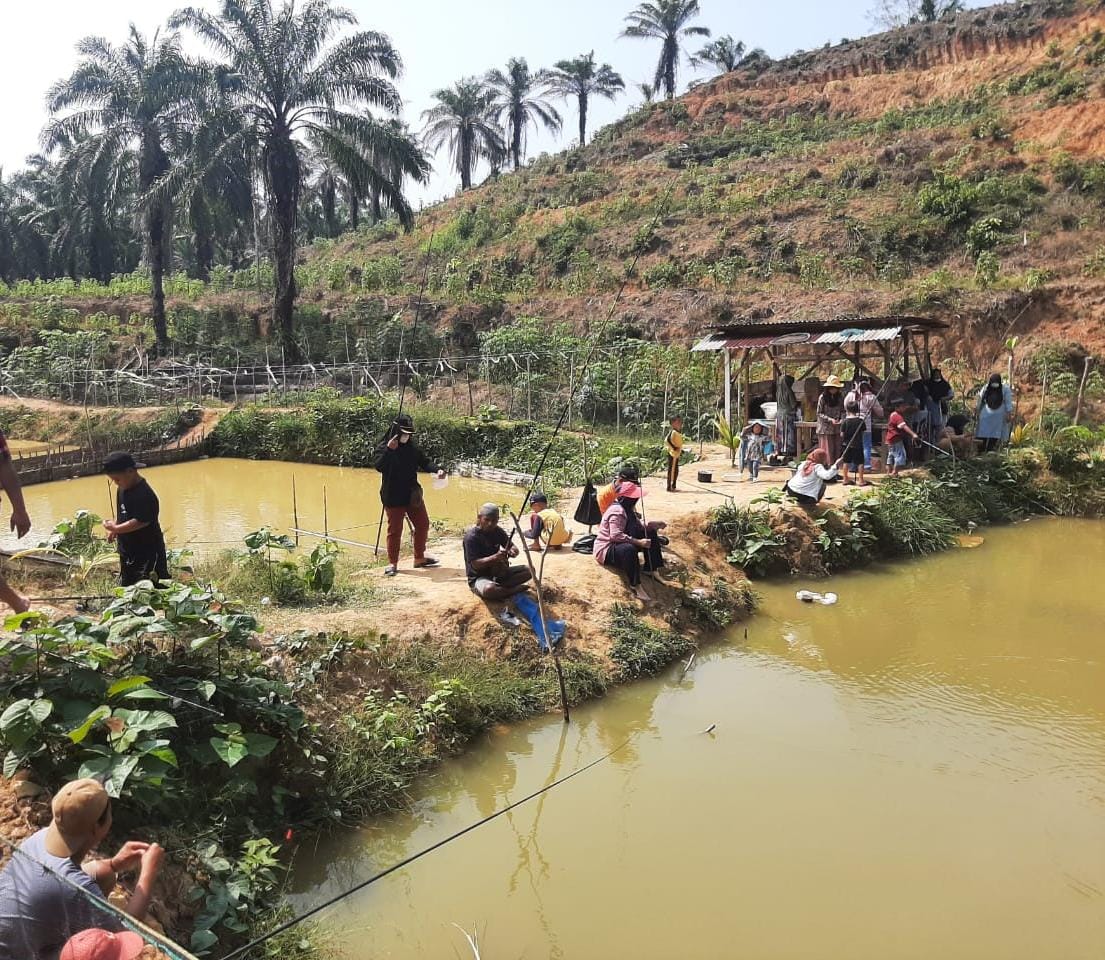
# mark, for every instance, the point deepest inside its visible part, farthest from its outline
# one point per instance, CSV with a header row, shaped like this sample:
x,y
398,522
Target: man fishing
x,y
20,522
399,461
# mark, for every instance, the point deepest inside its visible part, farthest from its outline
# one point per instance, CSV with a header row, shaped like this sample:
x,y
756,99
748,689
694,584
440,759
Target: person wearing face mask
x,y
623,536
399,461
940,394
994,414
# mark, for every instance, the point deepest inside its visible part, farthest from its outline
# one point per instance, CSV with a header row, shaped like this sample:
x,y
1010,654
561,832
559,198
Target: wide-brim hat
x,y
834,381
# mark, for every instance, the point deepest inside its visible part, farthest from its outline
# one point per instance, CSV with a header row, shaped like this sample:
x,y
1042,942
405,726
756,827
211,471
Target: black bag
x,y
585,544
588,512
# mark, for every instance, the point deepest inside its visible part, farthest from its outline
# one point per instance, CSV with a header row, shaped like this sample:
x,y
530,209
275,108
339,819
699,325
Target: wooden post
x,y
571,387
529,390
905,354
325,514
471,401
728,373
1086,364
295,512
618,393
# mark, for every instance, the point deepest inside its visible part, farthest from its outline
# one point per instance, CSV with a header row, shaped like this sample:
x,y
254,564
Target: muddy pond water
x,y
916,772
211,504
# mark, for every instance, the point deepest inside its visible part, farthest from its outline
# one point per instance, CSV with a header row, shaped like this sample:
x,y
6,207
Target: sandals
x,y
426,562
390,570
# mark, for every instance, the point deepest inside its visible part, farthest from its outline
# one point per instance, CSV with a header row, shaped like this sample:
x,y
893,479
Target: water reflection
x,y
916,772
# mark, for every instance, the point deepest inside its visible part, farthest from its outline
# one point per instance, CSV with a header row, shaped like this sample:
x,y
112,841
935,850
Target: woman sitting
x,y
623,536
807,486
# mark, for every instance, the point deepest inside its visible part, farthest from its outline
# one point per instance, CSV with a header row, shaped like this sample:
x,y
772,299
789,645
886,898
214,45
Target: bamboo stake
x,y
295,512
325,514
551,647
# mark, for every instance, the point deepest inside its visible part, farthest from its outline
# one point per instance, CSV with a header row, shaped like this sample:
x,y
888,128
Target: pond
x,y
212,503
915,772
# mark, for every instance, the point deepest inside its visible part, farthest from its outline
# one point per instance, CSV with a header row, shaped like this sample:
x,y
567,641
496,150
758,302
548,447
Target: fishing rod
x,y
399,361
253,944
595,341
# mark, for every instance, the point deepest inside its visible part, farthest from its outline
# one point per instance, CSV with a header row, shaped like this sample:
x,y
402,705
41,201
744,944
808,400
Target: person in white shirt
x,y
807,486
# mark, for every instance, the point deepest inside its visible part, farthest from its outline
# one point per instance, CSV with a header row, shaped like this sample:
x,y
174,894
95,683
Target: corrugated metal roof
x,y
723,341
854,335
778,325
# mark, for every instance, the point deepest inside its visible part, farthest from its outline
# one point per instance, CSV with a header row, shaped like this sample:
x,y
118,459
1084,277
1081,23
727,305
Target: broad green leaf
x,y
21,621
100,713
145,721
126,684
231,752
206,689
113,772
202,941
146,693
200,642
23,719
260,745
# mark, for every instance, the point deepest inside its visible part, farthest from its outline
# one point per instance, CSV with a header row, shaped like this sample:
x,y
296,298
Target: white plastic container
x,y
769,409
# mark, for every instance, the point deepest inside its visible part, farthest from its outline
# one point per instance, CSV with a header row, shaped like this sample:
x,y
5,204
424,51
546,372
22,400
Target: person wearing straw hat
x,y
830,414
399,461
20,522
137,524
49,892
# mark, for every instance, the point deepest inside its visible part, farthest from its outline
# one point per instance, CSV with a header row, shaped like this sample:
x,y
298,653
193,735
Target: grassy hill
x,y
952,168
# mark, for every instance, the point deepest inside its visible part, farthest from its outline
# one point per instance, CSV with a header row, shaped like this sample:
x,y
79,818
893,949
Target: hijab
x,y
993,394
920,391
817,457
633,525
938,387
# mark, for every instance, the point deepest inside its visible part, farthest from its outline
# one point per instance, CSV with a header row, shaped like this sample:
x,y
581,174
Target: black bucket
x,y
705,476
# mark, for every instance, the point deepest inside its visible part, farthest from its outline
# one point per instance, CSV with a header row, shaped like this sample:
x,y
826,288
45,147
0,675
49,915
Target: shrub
x,y
752,542
641,649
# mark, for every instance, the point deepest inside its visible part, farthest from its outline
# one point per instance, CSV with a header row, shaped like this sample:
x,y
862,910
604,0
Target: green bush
x,y
641,649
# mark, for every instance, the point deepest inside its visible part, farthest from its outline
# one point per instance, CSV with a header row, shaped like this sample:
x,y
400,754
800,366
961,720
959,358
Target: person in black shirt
x,y
136,529
399,460
487,553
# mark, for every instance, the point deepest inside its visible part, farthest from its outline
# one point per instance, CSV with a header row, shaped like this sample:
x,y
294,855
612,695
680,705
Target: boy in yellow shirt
x,y
673,442
546,525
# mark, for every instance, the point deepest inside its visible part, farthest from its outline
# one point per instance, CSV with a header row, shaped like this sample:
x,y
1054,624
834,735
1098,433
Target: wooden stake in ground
x,y
1087,364
551,647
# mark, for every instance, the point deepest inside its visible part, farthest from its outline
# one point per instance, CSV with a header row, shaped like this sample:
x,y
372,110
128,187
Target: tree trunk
x,y
466,159
283,173
203,243
330,209
152,165
671,54
517,123
1087,364
354,210
377,210
582,119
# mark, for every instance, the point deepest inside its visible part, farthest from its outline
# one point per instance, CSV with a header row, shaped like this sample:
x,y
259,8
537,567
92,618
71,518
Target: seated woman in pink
x,y
622,537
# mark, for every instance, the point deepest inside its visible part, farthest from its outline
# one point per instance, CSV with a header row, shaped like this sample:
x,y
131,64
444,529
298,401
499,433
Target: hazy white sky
x,y
440,41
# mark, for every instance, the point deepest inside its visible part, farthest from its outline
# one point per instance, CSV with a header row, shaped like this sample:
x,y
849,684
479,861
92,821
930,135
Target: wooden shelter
x,y
880,348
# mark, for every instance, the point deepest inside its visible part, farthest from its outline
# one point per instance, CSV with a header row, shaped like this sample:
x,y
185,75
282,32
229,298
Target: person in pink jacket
x,y
623,536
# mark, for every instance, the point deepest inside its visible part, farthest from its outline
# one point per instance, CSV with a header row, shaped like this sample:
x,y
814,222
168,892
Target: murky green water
x,y
916,772
212,504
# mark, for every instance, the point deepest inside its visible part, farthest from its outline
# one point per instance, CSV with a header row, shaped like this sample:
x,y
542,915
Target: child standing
x,y
754,439
851,434
546,525
674,444
137,527
896,428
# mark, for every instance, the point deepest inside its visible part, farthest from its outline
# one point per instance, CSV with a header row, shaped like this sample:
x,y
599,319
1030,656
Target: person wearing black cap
x,y
137,528
399,460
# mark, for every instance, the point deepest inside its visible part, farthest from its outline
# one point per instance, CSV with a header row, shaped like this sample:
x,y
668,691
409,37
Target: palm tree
x,y
648,91
725,53
582,79
396,153
131,100
288,81
464,120
519,104
665,20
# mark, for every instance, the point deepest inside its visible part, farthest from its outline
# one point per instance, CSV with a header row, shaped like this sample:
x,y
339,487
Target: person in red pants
x,y
399,461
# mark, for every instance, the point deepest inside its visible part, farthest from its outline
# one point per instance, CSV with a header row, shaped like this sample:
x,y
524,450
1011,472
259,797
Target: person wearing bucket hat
x,y
96,944
830,414
622,537
49,892
399,461
137,525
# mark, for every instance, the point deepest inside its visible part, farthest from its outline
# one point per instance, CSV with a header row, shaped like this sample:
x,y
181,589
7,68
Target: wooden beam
x,y
729,388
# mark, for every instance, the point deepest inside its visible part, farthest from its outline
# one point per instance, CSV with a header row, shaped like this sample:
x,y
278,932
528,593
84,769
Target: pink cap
x,y
98,944
627,488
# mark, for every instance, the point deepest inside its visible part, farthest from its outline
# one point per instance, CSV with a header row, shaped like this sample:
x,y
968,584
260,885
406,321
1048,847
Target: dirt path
x,y
438,602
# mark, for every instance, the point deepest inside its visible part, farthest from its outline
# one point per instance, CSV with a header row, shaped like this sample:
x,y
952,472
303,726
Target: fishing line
x,y
241,951
403,382
595,340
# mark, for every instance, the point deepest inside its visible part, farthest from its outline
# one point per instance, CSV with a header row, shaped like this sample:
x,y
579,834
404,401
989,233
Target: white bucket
x,y
769,409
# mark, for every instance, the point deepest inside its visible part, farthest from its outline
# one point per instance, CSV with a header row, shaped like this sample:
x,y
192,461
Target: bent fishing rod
x,y
295,921
595,340
402,379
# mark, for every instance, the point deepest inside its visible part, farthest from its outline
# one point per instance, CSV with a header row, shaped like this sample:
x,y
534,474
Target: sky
x,y
440,42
